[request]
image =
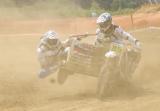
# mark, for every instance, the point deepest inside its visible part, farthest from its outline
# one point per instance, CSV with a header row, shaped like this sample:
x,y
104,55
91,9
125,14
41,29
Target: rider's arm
x,y
66,43
43,50
127,36
99,38
69,42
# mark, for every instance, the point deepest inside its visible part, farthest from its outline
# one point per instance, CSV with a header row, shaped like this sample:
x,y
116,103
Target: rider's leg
x,y
48,65
43,73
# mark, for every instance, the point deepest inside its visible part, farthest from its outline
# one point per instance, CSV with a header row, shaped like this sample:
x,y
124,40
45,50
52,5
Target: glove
x,y
138,45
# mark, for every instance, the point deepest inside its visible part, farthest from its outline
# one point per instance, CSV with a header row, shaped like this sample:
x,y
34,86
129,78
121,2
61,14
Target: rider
x,y
50,50
108,32
52,53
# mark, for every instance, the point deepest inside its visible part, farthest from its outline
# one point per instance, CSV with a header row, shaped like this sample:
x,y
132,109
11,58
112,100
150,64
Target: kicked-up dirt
x,y
22,90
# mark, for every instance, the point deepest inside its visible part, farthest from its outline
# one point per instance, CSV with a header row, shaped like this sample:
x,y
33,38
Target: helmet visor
x,y
53,41
104,24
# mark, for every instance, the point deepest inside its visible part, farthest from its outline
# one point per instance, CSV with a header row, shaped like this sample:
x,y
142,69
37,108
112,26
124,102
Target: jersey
x,y
116,34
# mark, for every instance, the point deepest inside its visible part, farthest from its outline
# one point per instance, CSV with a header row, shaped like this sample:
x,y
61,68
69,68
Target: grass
x,y
148,8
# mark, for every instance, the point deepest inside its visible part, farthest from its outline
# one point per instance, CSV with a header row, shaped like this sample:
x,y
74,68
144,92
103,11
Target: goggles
x,y
104,27
104,24
52,41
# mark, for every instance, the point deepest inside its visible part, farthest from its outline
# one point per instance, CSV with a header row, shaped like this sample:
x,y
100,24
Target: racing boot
x,y
43,73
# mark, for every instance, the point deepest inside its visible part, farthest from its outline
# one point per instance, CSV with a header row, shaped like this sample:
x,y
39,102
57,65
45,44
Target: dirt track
x,y
22,90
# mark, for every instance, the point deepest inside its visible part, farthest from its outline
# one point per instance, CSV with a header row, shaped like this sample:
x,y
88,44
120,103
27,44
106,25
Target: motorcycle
x,y
112,65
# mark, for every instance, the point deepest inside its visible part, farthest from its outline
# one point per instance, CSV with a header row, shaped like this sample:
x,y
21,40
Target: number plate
x,y
116,47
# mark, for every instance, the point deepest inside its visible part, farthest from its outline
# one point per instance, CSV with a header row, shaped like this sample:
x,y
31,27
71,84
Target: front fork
x,y
107,75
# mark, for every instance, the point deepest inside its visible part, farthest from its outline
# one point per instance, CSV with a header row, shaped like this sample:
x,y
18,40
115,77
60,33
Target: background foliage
x,y
67,8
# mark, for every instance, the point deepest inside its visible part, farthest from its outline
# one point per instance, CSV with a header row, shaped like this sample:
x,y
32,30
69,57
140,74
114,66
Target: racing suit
x,y
118,35
52,56
49,56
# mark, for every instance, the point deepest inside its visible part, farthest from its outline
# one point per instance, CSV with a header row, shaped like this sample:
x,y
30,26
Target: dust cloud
x,y
21,89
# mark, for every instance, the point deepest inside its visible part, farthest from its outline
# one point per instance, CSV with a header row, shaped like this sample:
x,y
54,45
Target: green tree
x,y
105,4
86,4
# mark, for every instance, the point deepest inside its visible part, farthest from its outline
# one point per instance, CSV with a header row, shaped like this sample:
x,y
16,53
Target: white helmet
x,y
104,21
51,38
50,34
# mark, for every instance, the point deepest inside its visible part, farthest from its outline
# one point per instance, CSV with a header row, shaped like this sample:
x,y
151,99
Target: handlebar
x,y
82,35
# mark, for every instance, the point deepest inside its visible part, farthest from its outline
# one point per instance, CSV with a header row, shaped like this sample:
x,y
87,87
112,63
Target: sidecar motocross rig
x,y
108,64
84,59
